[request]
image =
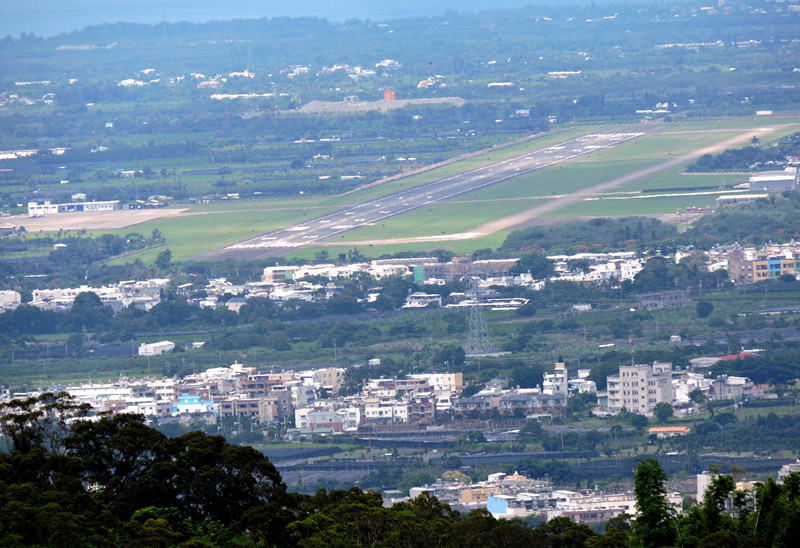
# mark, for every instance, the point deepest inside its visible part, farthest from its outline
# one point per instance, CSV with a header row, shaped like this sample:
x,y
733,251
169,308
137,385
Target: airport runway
x,y
373,211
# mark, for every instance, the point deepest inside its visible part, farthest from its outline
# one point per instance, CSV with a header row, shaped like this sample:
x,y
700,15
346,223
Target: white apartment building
x,y
385,410
638,388
557,381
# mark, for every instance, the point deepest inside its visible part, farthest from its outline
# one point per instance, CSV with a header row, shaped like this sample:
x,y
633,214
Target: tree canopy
x,y
114,481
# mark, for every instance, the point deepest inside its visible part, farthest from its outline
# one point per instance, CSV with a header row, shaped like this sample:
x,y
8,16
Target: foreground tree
x,y
653,523
662,411
39,422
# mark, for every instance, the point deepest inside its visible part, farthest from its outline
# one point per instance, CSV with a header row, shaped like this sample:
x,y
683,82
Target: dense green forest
x,y
116,482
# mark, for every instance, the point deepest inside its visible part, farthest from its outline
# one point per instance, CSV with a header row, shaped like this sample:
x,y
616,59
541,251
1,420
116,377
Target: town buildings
x,y
144,294
749,265
639,388
508,496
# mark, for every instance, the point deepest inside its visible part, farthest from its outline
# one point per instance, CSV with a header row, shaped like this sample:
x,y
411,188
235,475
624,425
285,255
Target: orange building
x,y
389,95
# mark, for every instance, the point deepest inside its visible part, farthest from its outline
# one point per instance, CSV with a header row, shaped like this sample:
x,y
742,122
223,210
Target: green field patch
x,y
636,206
734,122
674,180
190,235
560,179
461,166
438,219
460,247
658,146
264,204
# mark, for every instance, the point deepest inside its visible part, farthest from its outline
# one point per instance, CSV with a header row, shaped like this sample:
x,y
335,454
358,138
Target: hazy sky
x,y
51,17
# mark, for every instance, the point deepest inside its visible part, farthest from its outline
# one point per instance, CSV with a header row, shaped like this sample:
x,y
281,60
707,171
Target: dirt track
x,y
533,216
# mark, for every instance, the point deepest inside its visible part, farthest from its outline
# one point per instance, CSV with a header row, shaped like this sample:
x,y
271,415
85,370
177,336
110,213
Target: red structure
x,y
388,95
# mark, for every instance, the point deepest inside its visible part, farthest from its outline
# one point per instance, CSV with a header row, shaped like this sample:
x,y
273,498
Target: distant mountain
x,y
52,17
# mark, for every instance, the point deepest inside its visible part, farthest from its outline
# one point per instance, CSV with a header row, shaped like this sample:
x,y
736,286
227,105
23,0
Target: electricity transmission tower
x,y
478,342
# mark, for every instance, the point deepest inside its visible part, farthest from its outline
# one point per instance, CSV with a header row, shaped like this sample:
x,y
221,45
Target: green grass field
x,y
462,247
673,179
439,219
190,235
643,206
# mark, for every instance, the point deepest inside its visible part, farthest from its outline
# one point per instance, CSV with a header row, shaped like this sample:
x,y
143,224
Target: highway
x,y
397,203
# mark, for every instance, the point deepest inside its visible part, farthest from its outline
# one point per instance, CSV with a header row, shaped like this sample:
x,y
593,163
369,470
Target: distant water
x,y
52,17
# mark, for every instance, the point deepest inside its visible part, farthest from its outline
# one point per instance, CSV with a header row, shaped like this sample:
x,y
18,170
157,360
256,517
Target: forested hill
x,y
116,482
50,17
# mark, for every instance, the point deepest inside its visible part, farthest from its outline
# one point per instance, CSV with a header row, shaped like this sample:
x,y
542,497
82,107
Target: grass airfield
x,y
444,224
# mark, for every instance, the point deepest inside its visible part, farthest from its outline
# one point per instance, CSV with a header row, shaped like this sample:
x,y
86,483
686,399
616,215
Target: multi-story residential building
x,y
350,418
385,411
529,401
421,410
729,387
582,384
480,403
191,404
441,381
557,381
240,407
638,388
255,385
395,387
329,378
750,265
276,406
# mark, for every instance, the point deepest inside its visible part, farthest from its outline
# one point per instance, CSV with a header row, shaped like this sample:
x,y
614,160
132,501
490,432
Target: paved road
x,y
374,211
